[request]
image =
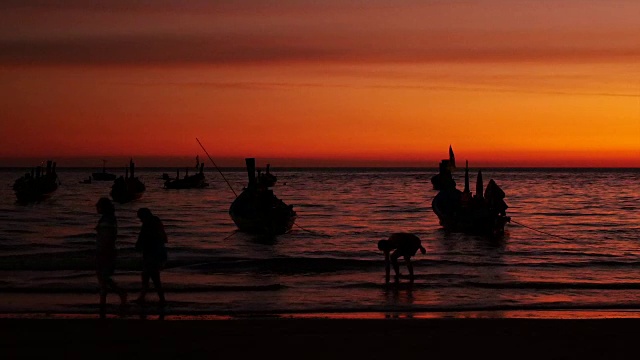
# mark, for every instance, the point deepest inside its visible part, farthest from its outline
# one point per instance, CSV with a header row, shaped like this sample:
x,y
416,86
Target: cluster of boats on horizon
x,y
258,210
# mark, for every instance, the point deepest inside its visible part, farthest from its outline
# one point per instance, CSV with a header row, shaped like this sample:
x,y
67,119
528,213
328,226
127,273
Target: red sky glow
x,y
331,83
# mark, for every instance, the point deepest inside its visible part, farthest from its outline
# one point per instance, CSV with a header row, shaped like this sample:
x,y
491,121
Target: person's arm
x,y
140,239
112,234
387,266
163,234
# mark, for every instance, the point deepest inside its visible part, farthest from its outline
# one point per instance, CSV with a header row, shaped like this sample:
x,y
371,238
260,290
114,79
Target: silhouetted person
x,y
402,244
107,231
151,242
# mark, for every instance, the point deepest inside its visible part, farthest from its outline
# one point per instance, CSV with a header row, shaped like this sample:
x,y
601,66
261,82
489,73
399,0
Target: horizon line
x,y
183,161
349,167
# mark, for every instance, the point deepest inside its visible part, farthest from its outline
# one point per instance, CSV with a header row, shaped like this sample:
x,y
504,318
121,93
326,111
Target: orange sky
x,y
392,83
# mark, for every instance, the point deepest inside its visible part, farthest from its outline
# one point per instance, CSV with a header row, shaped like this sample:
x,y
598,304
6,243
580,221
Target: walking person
x,y
403,244
151,242
106,234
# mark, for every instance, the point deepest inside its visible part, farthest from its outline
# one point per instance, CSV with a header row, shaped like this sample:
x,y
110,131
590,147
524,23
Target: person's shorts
x,y
105,267
153,264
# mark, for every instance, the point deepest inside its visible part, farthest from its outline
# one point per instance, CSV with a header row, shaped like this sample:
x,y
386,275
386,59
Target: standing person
x,y
151,242
403,244
106,234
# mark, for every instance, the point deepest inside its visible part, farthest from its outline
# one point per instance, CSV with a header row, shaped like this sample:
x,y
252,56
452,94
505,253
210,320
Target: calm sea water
x,y
573,245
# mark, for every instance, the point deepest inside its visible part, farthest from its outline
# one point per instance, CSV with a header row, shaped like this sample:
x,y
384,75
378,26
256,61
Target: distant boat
x,y
461,211
36,185
127,188
258,210
195,181
104,175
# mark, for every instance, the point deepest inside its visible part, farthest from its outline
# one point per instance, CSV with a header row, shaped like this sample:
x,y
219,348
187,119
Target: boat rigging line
x,y
214,164
540,231
311,231
230,235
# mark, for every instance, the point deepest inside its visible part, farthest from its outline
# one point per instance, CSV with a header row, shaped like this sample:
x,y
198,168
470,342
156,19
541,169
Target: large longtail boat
x,y
461,211
195,181
37,185
127,188
258,210
103,175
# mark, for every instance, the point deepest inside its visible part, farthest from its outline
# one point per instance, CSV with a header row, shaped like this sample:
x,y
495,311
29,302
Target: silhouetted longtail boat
x,y
127,188
104,175
36,185
258,210
461,211
195,181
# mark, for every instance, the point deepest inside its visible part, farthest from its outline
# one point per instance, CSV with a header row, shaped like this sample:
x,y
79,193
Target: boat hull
x,y
253,213
125,197
35,189
264,225
126,190
101,176
470,218
185,186
191,182
32,195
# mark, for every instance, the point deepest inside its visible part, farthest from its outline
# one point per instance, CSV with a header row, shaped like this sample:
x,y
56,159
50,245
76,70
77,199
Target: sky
x,y
321,83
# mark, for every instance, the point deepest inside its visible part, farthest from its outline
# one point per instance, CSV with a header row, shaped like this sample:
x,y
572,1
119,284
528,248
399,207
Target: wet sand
x,y
278,338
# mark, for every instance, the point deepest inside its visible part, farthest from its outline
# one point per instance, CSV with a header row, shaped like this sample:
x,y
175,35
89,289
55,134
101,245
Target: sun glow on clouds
x,y
509,83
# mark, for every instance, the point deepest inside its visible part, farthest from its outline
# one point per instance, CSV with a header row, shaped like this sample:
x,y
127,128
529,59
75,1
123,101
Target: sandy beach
x,y
317,338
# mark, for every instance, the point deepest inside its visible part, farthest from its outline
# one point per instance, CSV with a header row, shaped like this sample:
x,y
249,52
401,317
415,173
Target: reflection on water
x,y
399,296
584,256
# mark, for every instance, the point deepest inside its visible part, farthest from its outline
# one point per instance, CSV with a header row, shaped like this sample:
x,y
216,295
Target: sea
x,y
572,248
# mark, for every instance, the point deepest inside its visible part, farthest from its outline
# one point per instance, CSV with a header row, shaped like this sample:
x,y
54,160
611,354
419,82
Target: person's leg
x,y
103,294
407,259
120,291
155,276
145,285
394,261
387,266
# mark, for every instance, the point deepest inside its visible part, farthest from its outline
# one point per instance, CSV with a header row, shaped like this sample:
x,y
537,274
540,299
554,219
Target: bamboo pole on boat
x,y
466,177
214,164
479,186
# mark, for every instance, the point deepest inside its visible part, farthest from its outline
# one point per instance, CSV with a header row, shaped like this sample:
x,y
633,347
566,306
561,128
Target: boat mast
x,y
479,186
452,158
466,177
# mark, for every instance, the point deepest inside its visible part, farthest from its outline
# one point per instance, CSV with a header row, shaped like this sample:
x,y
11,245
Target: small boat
x,y
195,181
86,181
258,210
127,188
37,185
104,175
461,211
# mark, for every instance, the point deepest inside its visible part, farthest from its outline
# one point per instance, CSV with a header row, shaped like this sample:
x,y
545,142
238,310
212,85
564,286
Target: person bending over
x,y
402,244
